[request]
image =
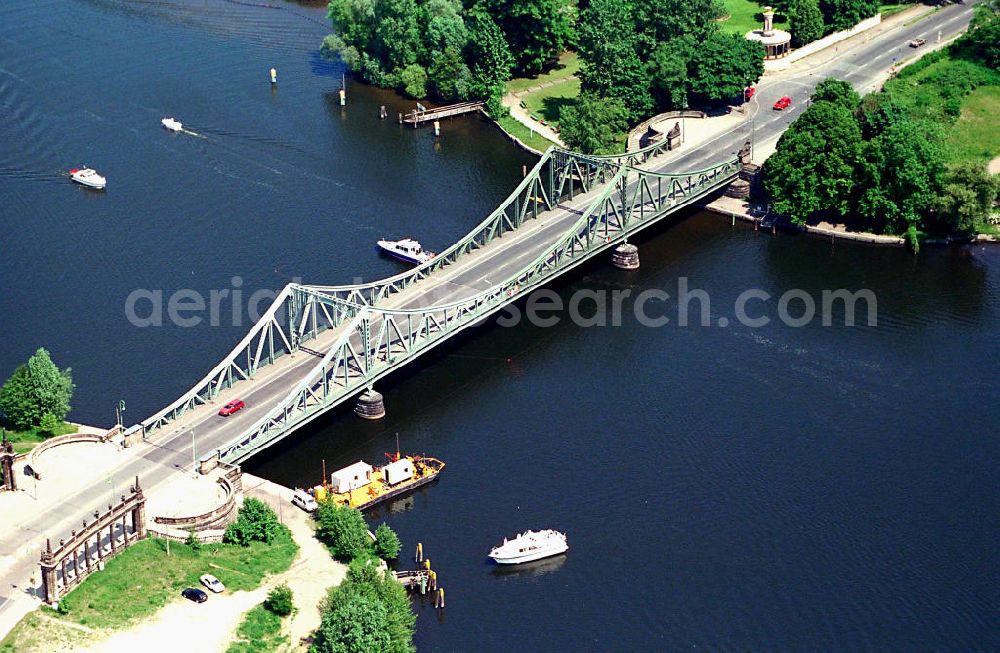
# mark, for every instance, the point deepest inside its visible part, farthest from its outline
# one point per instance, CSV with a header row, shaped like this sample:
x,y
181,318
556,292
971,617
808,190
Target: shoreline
x,y
738,209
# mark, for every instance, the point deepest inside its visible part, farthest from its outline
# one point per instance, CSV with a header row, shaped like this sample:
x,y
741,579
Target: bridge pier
x,y
625,257
370,405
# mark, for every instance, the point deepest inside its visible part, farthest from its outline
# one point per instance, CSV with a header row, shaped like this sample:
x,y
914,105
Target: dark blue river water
x,y
723,488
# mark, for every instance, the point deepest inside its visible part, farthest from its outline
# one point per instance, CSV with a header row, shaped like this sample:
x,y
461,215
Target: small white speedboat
x,y
88,177
528,546
172,125
407,250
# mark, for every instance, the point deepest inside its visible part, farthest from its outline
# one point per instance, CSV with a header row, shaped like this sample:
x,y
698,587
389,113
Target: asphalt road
x,y
863,64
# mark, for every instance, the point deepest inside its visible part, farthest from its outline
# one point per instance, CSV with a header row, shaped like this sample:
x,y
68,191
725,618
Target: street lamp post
x,y
194,455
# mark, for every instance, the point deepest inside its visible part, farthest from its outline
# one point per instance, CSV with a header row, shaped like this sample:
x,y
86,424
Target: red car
x,y
749,92
783,103
232,407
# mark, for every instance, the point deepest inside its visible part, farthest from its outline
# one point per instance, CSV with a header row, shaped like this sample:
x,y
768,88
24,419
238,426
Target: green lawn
x,y
975,136
26,440
746,15
569,64
935,91
527,136
259,632
548,102
144,578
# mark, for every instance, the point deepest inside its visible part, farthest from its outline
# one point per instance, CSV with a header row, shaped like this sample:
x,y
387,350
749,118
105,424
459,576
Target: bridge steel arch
x,y
373,337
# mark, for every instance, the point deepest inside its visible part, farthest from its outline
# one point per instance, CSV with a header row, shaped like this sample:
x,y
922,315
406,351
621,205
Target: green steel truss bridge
x,y
321,345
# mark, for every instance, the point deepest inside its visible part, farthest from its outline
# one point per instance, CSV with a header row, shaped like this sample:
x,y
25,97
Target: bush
x,y
368,611
279,600
413,81
254,523
343,529
193,541
594,125
386,543
49,424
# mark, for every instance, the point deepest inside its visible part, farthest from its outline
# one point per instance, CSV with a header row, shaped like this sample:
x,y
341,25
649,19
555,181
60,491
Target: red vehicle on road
x,y
232,407
783,103
748,93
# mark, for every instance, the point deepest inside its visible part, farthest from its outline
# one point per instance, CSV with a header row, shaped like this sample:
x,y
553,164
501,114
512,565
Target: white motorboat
x,y
407,250
172,125
88,177
528,546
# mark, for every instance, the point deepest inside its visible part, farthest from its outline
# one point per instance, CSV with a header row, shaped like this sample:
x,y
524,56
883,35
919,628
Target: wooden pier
x,y
418,116
412,580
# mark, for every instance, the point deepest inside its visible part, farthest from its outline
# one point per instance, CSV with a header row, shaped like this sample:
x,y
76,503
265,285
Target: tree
x,y
903,177
837,91
879,111
449,75
723,66
844,14
611,63
36,389
967,197
279,600
413,81
355,626
668,70
982,41
255,522
814,165
593,125
689,22
343,529
445,25
806,20
537,30
489,51
386,542
379,603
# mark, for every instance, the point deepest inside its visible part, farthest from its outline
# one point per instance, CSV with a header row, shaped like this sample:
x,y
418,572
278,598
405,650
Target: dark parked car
x,y
194,594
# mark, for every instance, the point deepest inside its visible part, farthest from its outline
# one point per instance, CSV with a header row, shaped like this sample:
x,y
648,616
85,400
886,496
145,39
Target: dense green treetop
x,y
903,176
343,529
593,124
837,91
844,14
806,20
724,65
537,30
37,390
368,612
815,162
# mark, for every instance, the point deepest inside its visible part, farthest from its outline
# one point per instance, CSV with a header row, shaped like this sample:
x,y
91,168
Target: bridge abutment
x,y
370,405
625,257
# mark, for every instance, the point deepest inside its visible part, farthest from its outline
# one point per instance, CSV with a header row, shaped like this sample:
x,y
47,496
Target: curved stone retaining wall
x,y
215,519
59,441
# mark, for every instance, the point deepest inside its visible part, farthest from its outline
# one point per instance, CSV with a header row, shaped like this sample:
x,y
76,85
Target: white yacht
x,y
407,250
172,125
88,177
528,546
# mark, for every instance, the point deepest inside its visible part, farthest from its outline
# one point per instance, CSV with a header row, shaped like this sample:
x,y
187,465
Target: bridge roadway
x,y
170,450
863,64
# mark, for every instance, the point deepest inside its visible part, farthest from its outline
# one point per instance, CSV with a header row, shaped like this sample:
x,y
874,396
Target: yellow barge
x,y
362,486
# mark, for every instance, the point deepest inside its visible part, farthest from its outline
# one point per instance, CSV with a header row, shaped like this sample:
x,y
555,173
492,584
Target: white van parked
x,y
303,500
